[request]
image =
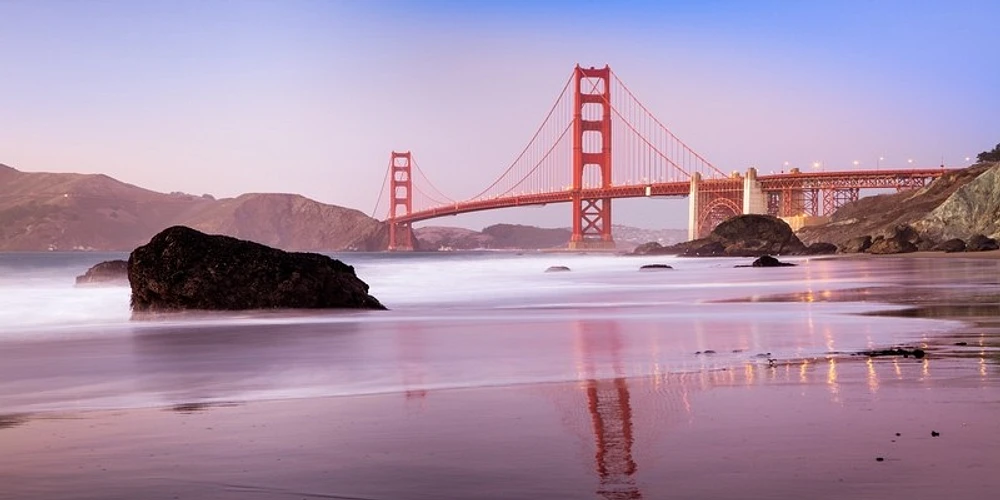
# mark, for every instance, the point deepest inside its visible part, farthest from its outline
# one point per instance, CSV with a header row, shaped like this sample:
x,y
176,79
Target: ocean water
x,y
477,319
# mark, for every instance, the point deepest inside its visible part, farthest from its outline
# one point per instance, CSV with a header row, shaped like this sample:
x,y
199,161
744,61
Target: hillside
x,y
957,205
287,221
65,211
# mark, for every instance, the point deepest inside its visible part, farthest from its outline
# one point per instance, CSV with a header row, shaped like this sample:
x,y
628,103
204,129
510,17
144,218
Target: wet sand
x,y
806,428
798,430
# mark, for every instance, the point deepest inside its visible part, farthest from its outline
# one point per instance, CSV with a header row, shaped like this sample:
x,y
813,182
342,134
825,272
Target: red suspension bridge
x,y
597,143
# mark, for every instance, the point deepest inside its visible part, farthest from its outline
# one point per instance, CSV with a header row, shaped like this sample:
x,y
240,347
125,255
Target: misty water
x,y
455,320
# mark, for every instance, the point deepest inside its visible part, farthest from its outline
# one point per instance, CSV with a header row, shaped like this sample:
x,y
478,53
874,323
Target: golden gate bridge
x,y
597,143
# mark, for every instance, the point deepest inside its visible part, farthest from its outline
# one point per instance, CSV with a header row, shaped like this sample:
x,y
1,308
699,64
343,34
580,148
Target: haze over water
x,y
455,320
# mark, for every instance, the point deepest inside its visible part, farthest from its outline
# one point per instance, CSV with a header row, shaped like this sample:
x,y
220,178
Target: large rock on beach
x,y
109,272
741,236
181,268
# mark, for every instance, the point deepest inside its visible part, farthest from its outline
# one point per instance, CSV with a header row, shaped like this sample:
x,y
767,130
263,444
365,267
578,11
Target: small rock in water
x,y
879,459
961,343
768,261
935,433
556,269
897,351
654,267
898,434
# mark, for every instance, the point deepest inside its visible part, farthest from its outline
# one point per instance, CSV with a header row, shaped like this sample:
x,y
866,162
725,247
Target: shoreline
x,y
832,426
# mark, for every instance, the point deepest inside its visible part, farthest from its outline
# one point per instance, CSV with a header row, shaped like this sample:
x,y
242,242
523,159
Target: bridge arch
x,y
714,212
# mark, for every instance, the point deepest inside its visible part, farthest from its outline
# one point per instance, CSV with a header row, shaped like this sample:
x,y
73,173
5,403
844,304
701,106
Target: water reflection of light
x,y
748,372
803,372
872,376
898,370
982,356
831,379
925,369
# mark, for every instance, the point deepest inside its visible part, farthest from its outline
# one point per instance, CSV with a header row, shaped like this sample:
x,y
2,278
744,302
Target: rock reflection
x,y
12,420
190,364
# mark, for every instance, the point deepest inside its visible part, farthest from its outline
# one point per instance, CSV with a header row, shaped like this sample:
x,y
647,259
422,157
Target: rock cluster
x,y
181,268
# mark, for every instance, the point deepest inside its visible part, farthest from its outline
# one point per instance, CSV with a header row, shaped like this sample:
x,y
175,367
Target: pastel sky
x,y
234,96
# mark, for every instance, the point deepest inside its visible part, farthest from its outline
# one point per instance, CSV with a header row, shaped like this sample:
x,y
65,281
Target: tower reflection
x,y
611,415
610,409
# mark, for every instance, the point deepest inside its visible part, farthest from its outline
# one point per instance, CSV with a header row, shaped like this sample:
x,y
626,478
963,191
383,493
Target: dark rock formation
x,y
980,243
821,248
896,351
859,244
886,246
557,269
750,235
110,272
654,267
902,239
181,268
768,261
742,236
950,246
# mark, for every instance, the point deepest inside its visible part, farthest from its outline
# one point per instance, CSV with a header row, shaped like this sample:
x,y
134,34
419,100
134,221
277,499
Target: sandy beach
x,y
838,425
806,430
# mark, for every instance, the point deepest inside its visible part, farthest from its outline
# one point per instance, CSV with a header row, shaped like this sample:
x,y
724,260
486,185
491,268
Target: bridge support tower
x,y
754,199
591,158
400,201
693,207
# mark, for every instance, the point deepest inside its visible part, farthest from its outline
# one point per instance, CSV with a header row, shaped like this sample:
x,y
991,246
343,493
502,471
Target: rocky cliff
x,y
958,205
59,211
973,208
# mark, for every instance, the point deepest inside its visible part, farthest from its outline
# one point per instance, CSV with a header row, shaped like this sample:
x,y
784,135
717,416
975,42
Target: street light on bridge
x,y
856,163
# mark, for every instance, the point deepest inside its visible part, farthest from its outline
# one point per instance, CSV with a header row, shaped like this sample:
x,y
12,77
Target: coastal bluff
x,y
184,269
45,211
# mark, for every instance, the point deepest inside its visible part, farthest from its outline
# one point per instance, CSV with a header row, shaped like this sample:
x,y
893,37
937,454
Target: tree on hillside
x,y
990,155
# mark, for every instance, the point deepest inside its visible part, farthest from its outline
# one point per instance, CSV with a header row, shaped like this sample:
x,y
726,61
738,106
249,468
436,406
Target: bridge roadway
x,y
796,181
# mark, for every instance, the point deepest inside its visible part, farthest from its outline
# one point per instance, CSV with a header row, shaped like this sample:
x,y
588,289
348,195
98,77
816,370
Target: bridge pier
x,y
754,199
694,212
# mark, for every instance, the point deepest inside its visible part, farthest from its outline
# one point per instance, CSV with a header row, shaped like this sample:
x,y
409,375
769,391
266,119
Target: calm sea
x,y
455,320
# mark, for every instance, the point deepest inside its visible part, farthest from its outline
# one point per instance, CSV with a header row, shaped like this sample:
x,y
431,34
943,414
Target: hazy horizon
x,y
310,97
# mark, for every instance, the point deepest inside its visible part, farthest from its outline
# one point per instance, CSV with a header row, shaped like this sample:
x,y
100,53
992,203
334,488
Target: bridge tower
x,y
400,200
591,157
